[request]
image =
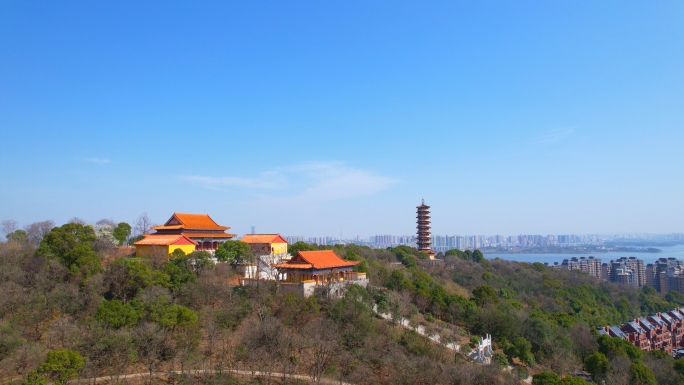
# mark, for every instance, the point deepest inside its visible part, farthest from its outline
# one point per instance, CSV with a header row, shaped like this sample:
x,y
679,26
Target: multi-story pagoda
x,y
424,242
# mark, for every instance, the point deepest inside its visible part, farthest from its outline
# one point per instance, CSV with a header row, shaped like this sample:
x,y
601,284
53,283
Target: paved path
x,y
403,322
248,373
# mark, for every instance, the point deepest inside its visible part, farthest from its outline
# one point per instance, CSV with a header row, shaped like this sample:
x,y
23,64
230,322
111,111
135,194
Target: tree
x,y
126,277
521,372
18,236
117,315
613,346
569,380
641,375
153,345
61,365
499,359
679,365
122,232
35,378
523,348
9,226
538,266
105,221
301,246
478,257
234,252
38,230
199,261
322,346
142,224
70,244
546,378
597,365
171,316
105,237
485,294
409,260
77,220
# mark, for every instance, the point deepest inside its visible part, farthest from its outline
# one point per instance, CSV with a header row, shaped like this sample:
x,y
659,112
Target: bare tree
x,y
153,345
105,221
9,226
585,342
37,230
77,221
620,371
142,224
322,346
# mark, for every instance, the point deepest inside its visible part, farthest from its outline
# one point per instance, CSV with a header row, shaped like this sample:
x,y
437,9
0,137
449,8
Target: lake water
x,y
668,252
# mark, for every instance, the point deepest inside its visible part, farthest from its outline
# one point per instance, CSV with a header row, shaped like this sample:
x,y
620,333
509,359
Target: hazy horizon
x,y
319,118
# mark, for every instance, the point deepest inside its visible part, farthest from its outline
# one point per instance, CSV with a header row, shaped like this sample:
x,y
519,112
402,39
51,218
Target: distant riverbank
x,y
569,250
665,252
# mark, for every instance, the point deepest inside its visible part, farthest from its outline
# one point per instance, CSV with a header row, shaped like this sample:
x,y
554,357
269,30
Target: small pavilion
x,y
320,267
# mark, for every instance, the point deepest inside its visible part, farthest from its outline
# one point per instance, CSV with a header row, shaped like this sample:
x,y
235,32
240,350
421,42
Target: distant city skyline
x,y
446,242
321,117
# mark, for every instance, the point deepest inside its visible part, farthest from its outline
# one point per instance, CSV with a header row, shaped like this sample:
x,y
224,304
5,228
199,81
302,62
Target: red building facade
x,y
660,331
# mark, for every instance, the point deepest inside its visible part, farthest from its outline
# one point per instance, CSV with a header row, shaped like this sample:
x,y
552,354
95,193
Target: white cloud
x,y
554,136
304,183
334,181
97,160
215,183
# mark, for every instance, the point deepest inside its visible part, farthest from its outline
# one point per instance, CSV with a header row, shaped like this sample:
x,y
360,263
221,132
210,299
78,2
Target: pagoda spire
x,y
423,224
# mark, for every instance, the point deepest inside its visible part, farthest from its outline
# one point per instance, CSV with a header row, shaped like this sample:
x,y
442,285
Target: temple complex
x,y
423,221
200,228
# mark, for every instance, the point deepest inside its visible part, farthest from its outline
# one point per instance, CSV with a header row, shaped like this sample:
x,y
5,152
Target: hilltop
x,y
114,316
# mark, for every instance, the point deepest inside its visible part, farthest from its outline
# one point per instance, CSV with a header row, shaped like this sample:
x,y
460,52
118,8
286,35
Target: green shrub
x,y
116,314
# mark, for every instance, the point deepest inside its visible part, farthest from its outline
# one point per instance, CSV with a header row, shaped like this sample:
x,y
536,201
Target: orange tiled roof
x,y
209,235
191,221
164,227
304,266
263,238
163,239
320,259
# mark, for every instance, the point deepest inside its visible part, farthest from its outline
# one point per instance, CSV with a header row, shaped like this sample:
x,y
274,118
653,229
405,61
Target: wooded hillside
x,y
66,314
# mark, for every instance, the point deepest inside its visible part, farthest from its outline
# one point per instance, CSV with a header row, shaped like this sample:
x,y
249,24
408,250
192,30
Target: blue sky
x,y
315,118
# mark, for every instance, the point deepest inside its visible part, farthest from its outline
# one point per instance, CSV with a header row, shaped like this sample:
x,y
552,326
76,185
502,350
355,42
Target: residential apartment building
x,y
627,270
665,275
589,265
661,331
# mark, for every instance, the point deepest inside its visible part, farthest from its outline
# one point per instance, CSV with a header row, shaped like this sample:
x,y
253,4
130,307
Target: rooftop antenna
x,y
253,227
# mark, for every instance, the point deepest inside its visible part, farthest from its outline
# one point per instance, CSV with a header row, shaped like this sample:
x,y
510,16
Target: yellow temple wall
x,y
148,250
279,248
187,249
265,248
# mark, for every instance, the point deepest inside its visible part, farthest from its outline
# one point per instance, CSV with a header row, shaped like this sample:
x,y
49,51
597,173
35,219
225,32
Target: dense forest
x,y
75,305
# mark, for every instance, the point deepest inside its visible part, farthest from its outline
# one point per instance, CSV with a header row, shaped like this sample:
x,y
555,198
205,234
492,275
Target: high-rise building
x,y
294,239
321,241
423,225
657,272
625,270
589,265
